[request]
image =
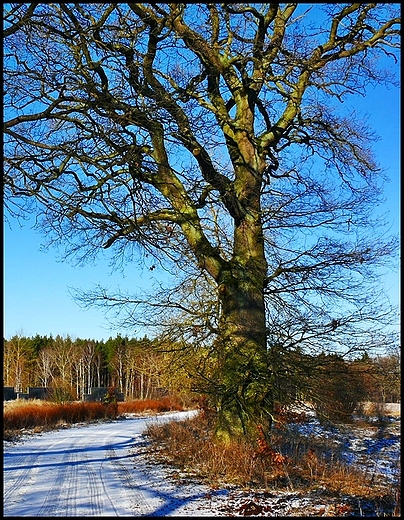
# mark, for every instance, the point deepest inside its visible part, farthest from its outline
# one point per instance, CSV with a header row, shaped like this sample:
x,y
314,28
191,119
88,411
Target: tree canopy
x,y
213,139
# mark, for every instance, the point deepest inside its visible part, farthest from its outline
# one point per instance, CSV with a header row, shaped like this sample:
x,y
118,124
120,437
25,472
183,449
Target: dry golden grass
x,y
289,463
18,403
379,410
165,404
38,415
45,415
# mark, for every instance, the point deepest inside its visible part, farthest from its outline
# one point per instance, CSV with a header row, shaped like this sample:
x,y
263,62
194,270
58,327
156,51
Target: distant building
x,y
9,393
38,392
98,395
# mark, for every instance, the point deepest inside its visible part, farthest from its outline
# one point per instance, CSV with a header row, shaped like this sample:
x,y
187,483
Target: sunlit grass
x,y
43,414
291,463
165,404
38,415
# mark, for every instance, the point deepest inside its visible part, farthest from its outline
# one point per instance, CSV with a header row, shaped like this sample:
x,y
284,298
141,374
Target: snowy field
x,y
103,470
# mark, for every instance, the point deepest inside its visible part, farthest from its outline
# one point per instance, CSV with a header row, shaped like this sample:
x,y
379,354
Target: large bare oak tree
x,y
213,138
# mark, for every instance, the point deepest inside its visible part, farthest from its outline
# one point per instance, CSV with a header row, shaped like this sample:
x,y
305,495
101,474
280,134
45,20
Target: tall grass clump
x,y
38,415
165,404
45,415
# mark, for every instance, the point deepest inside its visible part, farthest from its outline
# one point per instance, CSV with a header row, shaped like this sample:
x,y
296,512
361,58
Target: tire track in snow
x,y
104,487
62,497
70,490
15,483
137,499
78,473
88,471
93,486
54,496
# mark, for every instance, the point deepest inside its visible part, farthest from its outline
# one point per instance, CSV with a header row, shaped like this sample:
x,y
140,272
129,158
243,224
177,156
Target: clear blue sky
x,y
36,285
37,297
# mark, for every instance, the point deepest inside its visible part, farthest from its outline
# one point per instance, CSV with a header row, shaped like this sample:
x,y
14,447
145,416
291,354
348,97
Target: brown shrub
x,y
286,461
165,404
20,415
48,414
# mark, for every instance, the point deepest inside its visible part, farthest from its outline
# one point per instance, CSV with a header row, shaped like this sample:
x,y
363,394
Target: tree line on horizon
x,y
76,366
143,368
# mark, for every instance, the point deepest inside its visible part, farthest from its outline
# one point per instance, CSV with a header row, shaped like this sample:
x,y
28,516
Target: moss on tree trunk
x,y
243,397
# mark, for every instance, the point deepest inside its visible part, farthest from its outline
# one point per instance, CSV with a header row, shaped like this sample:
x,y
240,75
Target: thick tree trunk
x,y
244,397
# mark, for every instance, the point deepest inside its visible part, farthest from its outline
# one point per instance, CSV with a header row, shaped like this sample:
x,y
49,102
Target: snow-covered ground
x,y
103,469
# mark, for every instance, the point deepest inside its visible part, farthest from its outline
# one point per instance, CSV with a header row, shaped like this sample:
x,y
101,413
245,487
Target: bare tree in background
x,y
212,139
